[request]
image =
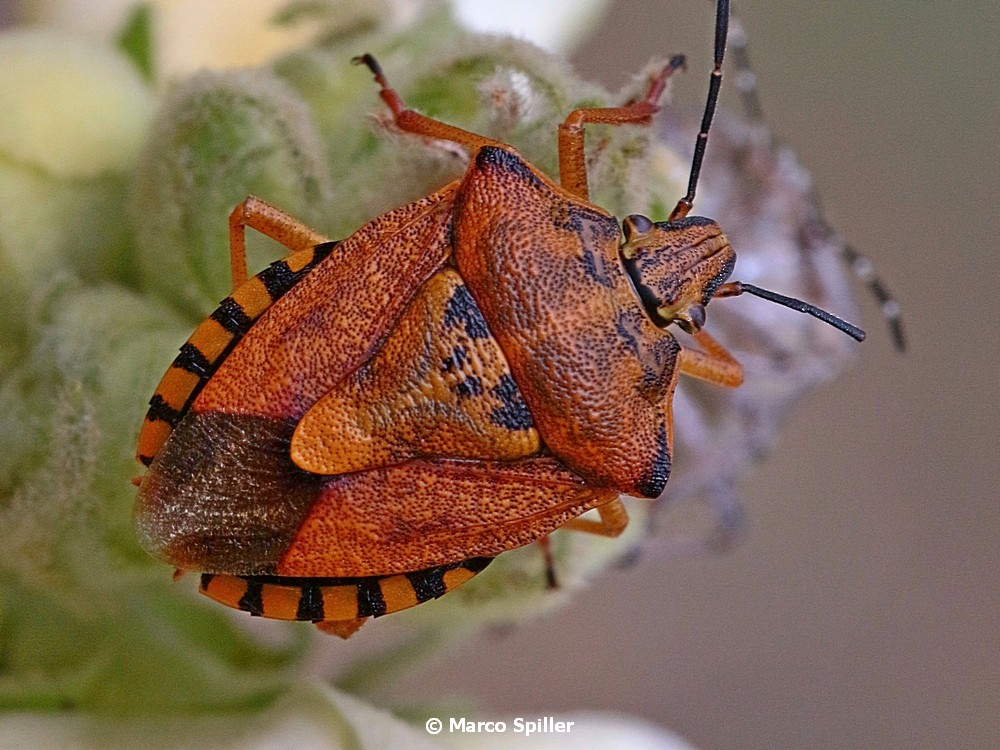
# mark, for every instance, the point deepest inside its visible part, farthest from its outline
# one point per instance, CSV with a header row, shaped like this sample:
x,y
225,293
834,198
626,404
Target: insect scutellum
x,y
677,266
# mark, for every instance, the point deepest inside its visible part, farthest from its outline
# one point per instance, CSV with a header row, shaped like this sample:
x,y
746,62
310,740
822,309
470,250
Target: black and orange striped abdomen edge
x,y
212,341
337,599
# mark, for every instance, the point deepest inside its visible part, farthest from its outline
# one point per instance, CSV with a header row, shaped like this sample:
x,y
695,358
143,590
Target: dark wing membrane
x,y
224,497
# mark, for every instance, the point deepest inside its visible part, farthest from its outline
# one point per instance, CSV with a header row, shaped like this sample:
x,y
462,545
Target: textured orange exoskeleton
x,y
363,425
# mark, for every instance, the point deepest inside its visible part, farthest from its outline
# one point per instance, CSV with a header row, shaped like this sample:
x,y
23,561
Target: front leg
x,y
712,362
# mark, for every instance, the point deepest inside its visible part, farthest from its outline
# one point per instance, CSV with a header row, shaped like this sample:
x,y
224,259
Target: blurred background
x,y
862,608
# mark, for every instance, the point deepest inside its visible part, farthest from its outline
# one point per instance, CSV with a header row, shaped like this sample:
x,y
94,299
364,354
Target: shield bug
x,y
365,424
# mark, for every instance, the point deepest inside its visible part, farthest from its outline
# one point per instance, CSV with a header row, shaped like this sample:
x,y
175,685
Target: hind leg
x,y
269,221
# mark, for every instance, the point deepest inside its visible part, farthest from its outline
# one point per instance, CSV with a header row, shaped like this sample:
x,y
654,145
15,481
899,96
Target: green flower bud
x,y
75,113
217,138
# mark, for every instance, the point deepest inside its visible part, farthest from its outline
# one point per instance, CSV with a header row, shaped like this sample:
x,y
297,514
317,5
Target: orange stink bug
x,y
365,424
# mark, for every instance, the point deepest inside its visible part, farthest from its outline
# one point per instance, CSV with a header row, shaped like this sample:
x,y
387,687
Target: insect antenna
x,y
683,206
736,288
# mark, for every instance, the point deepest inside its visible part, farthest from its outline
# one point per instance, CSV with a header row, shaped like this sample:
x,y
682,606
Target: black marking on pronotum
x,y
513,414
595,269
653,481
371,603
232,317
206,579
310,604
252,601
490,157
428,584
592,228
626,328
461,310
192,360
160,410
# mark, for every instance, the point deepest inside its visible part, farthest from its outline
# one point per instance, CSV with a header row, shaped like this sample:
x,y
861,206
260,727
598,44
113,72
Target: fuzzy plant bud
x,y
219,136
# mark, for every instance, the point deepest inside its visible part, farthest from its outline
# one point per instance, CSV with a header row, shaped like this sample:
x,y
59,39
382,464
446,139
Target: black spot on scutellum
x,y
456,360
513,414
461,311
468,387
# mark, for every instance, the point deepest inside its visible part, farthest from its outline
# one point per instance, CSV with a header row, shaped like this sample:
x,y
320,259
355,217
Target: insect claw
x,y
652,98
368,60
388,93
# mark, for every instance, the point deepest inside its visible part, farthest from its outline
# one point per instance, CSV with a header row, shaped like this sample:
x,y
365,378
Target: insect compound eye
x,y
635,224
691,320
697,315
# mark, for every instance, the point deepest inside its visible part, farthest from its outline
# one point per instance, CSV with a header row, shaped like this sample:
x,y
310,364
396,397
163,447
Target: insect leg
x,y
269,221
572,159
416,123
711,362
550,569
614,519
